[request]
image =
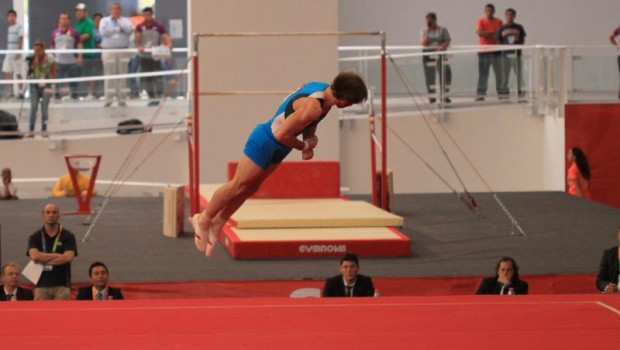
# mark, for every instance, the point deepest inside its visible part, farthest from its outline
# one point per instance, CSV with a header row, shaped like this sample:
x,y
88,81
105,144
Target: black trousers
x,y
433,66
152,85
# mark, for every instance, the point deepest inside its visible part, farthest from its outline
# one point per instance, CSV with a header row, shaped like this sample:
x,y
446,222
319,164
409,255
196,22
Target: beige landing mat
x,y
332,212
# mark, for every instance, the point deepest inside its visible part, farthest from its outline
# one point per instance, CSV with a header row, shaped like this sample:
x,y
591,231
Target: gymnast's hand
x,y
310,143
307,154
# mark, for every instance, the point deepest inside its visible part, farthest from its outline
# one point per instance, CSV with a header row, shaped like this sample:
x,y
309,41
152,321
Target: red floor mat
x,y
463,322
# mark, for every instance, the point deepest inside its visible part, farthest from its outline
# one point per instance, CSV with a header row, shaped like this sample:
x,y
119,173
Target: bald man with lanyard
x,y
54,247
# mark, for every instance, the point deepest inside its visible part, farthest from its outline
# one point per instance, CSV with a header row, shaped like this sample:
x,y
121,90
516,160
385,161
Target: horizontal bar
x,y
240,92
254,34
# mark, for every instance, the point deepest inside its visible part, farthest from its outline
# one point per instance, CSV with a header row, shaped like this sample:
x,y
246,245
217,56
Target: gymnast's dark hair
x,y
515,268
349,86
582,162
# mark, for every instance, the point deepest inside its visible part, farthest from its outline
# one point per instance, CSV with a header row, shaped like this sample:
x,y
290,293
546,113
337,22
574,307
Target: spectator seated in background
x,y
99,290
64,186
349,283
609,271
7,189
505,281
9,291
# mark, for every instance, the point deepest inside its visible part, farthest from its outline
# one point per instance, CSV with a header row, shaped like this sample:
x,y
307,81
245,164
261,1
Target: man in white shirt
x,y
115,32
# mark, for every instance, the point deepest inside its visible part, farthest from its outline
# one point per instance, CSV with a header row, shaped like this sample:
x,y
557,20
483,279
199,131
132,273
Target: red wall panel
x,y
595,128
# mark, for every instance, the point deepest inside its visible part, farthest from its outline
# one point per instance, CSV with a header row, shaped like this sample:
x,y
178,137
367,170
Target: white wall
x,y
259,63
558,22
505,144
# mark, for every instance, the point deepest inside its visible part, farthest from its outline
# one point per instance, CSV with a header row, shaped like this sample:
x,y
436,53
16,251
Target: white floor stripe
x,y
608,307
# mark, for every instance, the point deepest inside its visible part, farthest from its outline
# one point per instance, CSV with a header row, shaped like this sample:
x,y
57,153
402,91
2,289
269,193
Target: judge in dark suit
x,y
9,291
99,290
607,278
505,281
349,283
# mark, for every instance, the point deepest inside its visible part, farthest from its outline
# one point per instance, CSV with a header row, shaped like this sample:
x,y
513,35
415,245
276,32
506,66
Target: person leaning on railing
x,y
85,27
511,33
115,32
486,29
150,34
435,38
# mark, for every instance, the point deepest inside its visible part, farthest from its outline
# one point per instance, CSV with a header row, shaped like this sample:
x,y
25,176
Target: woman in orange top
x,y
578,173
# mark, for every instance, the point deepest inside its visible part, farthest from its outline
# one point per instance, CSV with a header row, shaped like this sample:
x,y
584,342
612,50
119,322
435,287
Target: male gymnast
x,y
268,145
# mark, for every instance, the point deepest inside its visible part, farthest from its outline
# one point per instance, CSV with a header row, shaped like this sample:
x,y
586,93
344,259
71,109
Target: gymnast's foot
x,y
200,236
212,240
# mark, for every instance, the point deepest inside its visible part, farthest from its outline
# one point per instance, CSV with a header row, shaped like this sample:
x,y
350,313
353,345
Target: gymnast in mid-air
x,y
268,145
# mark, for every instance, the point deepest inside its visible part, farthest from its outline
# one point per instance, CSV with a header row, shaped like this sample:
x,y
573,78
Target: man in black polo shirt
x,y
54,247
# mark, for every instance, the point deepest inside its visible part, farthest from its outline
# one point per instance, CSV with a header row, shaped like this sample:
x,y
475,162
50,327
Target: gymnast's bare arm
x,y
307,110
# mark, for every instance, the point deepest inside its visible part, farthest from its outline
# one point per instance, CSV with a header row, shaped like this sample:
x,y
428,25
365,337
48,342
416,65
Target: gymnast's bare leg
x,y
226,201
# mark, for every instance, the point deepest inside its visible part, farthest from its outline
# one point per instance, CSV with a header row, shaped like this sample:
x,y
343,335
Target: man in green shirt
x,y
86,28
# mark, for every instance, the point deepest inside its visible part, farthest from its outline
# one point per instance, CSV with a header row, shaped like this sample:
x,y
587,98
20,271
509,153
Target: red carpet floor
x,y
448,322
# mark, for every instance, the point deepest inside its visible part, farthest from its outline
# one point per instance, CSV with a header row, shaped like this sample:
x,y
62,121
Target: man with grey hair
x,y
54,247
115,32
10,291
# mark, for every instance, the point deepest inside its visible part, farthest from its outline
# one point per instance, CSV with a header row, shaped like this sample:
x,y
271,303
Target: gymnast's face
x,y
348,269
343,103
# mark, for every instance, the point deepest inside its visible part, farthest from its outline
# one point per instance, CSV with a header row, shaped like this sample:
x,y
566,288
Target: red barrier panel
x,y
388,286
595,128
299,179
